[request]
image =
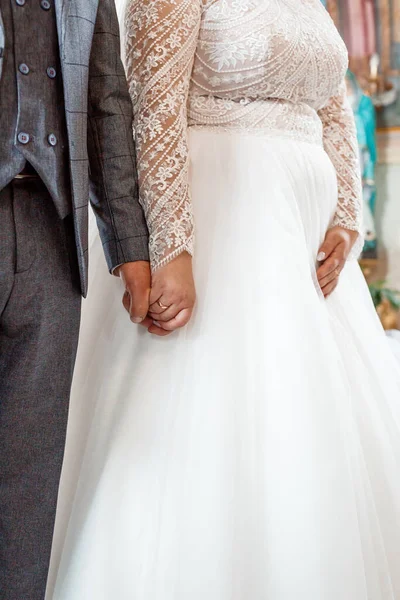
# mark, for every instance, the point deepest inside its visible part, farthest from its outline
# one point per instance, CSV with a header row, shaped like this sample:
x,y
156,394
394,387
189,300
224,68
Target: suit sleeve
x,y
113,173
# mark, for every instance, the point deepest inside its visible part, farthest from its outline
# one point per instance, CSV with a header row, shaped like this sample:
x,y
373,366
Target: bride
x,y
255,453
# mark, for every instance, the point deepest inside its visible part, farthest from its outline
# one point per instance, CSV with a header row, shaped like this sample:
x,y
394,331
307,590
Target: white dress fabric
x,y
254,455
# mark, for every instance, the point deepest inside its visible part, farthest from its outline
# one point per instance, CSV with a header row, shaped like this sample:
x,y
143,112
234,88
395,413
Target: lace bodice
x,y
272,66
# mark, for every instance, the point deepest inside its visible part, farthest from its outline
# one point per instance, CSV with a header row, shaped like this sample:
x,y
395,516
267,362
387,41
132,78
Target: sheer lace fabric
x,y
340,142
272,66
162,38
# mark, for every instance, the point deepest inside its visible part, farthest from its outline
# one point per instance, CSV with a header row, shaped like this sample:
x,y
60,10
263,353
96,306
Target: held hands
x,y
172,297
332,257
164,304
136,278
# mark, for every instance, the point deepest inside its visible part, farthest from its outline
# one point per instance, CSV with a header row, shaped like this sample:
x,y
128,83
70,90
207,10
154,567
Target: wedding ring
x,y
337,272
162,305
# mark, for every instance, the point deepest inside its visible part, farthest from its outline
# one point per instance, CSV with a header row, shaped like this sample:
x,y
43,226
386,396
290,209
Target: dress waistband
x,y
265,117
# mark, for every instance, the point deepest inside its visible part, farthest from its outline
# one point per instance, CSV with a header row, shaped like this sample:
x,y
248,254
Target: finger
x,y
181,319
139,302
328,270
154,330
329,266
327,248
126,301
328,289
136,278
147,322
157,294
167,315
151,328
331,277
159,307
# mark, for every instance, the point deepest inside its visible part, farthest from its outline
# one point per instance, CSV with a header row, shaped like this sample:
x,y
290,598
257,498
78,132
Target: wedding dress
x,y
255,454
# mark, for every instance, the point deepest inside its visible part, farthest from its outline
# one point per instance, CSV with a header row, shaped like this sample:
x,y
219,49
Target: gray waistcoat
x,y
32,111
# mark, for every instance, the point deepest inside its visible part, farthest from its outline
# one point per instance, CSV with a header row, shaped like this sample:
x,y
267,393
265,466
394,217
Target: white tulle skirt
x,y
254,455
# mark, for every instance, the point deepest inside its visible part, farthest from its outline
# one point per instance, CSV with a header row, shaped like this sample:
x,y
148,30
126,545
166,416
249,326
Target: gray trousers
x,y
39,324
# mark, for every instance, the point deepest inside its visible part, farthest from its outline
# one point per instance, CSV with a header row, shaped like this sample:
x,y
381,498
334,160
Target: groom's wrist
x,y
128,250
117,270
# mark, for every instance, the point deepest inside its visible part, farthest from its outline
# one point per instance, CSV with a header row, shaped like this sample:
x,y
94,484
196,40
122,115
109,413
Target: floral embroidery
x,y
275,66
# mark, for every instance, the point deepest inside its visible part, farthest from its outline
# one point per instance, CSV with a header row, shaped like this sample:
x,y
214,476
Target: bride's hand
x,y
333,255
172,296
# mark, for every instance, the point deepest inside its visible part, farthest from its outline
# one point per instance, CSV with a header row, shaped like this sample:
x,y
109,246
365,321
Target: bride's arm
x,y
340,142
161,40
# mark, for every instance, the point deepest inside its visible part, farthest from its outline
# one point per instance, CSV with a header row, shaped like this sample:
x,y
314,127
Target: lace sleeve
x,y
161,40
340,141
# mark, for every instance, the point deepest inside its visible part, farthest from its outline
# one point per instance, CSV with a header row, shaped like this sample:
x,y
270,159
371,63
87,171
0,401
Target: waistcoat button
x,y
51,72
20,2
24,69
24,138
45,4
52,139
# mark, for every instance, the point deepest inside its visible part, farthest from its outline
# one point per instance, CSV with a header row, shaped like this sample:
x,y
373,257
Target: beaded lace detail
x,y
275,66
340,142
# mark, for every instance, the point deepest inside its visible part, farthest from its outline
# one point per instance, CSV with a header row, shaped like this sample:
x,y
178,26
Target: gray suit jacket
x,y
99,123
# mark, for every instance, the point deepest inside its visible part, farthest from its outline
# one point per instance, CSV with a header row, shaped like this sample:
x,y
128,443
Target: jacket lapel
x,y
62,8
86,9
76,23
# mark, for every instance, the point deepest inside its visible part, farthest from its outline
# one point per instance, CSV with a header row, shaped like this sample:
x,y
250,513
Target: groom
x,y
65,119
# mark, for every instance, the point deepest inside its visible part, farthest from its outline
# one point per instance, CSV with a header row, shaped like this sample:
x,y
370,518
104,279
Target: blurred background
x,y
371,30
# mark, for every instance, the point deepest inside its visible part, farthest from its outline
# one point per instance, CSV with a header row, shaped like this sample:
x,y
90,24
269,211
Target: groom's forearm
x,y
113,174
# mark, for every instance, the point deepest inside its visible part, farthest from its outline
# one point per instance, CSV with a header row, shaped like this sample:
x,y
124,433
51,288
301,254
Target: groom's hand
x,y
136,277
